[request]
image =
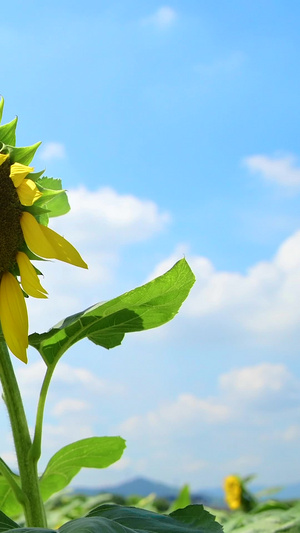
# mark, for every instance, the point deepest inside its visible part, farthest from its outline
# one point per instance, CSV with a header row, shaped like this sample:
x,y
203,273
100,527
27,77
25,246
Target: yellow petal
x,y
28,192
64,250
47,243
29,278
13,315
3,158
34,237
18,172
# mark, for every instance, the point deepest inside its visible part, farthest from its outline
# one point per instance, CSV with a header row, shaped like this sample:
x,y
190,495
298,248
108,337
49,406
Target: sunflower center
x,y
11,236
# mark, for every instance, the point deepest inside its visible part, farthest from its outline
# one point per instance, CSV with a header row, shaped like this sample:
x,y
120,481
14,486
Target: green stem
x,y
32,502
35,451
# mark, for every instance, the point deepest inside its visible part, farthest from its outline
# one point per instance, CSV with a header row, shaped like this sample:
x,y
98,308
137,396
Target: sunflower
x,y
233,492
22,238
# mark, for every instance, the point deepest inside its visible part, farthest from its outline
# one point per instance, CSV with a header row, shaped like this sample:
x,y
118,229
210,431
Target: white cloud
x,y
69,405
56,435
292,433
244,463
281,170
195,465
30,377
52,150
11,459
262,304
255,381
87,380
267,386
177,417
104,217
163,18
260,387
122,464
188,432
221,66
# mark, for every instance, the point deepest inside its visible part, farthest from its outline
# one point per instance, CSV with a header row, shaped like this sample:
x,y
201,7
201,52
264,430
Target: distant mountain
x,y
212,496
143,487
138,486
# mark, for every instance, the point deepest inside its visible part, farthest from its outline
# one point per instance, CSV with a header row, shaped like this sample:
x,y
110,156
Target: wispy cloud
x,y
221,66
281,170
189,427
292,433
117,219
267,386
260,387
69,405
52,150
163,18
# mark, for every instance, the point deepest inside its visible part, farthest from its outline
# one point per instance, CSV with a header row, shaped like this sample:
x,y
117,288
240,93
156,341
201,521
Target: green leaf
x,y
54,198
105,324
8,501
36,210
94,452
270,505
137,520
94,525
54,184
35,176
23,154
30,530
8,132
196,516
6,523
183,499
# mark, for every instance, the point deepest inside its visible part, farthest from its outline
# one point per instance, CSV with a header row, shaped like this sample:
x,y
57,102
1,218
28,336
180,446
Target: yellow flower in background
x,y
233,492
20,233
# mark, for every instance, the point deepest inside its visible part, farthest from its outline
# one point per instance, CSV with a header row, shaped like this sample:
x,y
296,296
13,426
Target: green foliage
x,y
24,154
8,132
105,324
29,530
53,202
8,502
66,506
113,518
142,520
6,523
183,499
34,176
270,517
54,199
94,452
196,516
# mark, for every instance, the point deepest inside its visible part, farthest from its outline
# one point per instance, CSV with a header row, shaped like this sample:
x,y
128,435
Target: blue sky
x,y
175,129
